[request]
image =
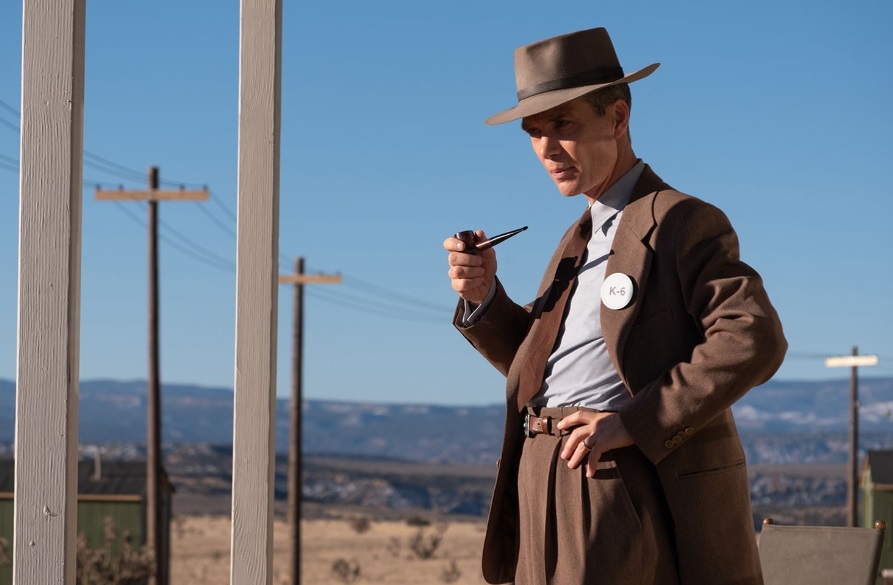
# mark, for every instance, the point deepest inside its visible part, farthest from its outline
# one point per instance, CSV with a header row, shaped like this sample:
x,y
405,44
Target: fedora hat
x,y
560,69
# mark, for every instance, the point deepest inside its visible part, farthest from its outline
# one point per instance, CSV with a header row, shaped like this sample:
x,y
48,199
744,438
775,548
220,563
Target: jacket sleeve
x,y
499,332
741,341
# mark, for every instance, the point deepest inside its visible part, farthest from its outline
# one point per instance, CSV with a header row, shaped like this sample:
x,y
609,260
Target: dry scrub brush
x,y
425,544
4,552
112,563
346,571
450,573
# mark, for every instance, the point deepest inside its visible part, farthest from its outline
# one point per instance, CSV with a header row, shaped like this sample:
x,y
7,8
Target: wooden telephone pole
x,y
853,361
299,279
154,466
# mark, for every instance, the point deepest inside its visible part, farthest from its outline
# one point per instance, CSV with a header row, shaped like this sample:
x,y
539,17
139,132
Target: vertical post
x,y
853,361
157,520
299,279
256,292
295,442
49,292
853,479
154,521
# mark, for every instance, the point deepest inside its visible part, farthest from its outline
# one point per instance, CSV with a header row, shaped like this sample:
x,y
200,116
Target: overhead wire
x,y
387,304
213,257
403,310
364,307
203,256
9,124
107,166
7,162
6,106
360,284
393,304
214,219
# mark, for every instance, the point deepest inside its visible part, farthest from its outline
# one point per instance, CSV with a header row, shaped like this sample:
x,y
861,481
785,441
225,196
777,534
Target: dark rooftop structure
x,y
880,465
114,490
107,478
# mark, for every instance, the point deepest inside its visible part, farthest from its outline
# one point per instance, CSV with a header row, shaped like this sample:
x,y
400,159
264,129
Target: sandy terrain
x,y
383,553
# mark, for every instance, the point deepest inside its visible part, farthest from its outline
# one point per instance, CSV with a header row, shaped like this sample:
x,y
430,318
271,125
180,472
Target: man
x,y
621,463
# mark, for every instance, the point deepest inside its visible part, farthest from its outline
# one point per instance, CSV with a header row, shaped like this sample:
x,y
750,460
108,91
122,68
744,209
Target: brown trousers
x,y
613,529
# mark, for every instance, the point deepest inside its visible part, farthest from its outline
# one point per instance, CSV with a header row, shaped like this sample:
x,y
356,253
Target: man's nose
x,y
549,147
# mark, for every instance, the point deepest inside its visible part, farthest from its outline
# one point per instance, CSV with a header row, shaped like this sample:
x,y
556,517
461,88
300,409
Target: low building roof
x,y
117,478
881,465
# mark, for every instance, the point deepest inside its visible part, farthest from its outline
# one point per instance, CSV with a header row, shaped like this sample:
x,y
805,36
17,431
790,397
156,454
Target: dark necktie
x,y
545,332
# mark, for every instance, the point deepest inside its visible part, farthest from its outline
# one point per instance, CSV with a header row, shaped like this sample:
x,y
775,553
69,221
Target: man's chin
x,y
569,192
567,189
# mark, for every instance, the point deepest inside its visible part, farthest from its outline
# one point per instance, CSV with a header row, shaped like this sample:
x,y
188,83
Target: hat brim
x,y
547,100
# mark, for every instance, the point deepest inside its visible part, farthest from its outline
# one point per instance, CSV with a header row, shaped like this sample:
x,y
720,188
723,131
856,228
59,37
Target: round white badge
x,y
617,291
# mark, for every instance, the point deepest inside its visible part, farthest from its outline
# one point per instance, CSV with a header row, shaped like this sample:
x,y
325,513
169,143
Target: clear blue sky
x,y
778,112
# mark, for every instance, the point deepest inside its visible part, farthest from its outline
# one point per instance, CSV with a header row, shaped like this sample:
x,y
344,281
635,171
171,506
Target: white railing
x,y
256,293
49,292
50,188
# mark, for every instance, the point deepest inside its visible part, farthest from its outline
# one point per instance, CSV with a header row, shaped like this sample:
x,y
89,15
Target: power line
x,y
190,248
8,124
214,219
7,162
389,305
198,248
96,161
394,305
183,185
11,109
359,284
112,168
365,308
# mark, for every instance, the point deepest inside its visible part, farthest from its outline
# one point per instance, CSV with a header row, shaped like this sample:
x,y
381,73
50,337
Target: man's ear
x,y
621,118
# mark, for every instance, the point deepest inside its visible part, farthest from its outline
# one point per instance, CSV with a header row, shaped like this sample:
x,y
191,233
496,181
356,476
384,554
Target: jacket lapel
x,y
631,255
548,311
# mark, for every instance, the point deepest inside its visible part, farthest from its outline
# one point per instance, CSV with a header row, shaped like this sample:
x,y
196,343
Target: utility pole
x,y
853,361
299,279
154,466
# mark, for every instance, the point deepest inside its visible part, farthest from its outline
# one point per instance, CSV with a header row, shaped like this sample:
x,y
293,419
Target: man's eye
x,y
559,124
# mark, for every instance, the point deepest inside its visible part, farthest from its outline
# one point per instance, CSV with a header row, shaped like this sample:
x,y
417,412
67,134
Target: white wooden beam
x,y
49,292
257,256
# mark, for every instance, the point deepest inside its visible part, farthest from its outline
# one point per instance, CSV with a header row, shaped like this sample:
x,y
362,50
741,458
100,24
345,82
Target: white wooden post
x,y
49,292
256,293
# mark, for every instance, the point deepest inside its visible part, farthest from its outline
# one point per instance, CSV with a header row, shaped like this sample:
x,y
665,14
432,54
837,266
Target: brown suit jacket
x,y
699,333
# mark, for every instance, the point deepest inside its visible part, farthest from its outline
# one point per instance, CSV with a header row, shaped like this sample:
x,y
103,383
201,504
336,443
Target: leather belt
x,y
542,425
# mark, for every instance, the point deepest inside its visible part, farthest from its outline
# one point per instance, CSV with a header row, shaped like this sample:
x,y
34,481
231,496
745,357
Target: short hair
x,y
600,99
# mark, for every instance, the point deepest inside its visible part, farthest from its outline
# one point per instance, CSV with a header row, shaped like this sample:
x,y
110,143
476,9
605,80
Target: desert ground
x,y
378,545
354,550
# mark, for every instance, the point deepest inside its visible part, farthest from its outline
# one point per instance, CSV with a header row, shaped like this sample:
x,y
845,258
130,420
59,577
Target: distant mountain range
x,y
114,411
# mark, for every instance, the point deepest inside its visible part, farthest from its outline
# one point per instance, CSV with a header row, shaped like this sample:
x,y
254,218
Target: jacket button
x,y
690,431
677,439
669,444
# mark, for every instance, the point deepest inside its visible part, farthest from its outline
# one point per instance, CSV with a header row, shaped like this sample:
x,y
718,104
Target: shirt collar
x,y
614,199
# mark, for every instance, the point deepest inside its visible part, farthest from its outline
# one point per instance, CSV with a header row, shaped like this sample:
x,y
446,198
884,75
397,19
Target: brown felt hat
x,y
557,70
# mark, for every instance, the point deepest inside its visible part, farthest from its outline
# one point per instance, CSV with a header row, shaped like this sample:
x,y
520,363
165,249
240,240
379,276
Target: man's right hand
x,y
471,274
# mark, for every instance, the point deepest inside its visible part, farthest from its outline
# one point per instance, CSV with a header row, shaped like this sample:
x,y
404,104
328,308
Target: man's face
x,y
578,147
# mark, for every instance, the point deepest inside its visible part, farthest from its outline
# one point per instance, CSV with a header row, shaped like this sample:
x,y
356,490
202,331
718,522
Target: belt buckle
x,y
545,427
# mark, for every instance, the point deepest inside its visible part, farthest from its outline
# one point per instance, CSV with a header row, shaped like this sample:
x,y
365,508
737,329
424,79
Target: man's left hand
x,y
593,433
